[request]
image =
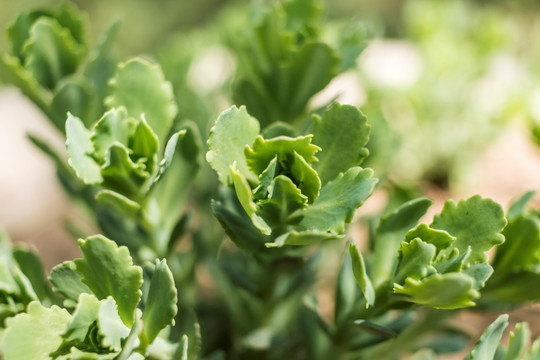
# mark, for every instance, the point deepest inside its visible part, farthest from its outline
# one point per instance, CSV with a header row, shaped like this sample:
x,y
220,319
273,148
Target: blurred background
x,y
451,88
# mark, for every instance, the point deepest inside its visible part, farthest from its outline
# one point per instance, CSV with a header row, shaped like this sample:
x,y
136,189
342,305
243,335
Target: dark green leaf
x,y
68,282
519,206
283,199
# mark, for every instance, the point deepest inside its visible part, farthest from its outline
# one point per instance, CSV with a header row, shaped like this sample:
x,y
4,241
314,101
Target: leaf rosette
x,y
280,198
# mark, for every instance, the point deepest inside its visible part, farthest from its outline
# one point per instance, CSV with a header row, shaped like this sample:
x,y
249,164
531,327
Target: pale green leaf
x,y
424,354
85,314
141,88
80,148
339,125
440,291
486,346
108,270
415,260
145,144
475,222
233,131
480,272
160,307
265,179
118,202
307,179
518,342
361,276
35,334
338,201
110,325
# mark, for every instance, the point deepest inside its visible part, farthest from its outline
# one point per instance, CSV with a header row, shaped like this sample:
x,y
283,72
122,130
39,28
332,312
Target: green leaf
x,y
339,125
440,291
68,282
233,131
283,199
480,273
141,88
360,274
73,95
110,325
415,260
517,288
475,222
486,346
245,196
520,251
440,238
265,179
51,53
35,334
80,148
160,307
307,73
424,354
519,206
85,314
338,201
108,270
262,152
390,233
123,175
145,144
307,179
117,202
180,164
113,127
302,238
518,342
32,267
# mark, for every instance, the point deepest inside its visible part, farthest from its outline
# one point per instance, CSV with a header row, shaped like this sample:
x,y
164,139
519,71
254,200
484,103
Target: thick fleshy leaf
x,y
475,222
32,268
440,238
233,131
35,334
519,206
245,196
51,53
440,291
265,179
283,199
339,125
520,251
517,288
118,202
390,233
73,95
302,238
307,179
260,154
121,174
480,272
338,201
179,167
415,260
68,282
486,346
160,307
85,314
108,270
361,276
79,148
518,342
141,88
145,144
110,325
113,127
